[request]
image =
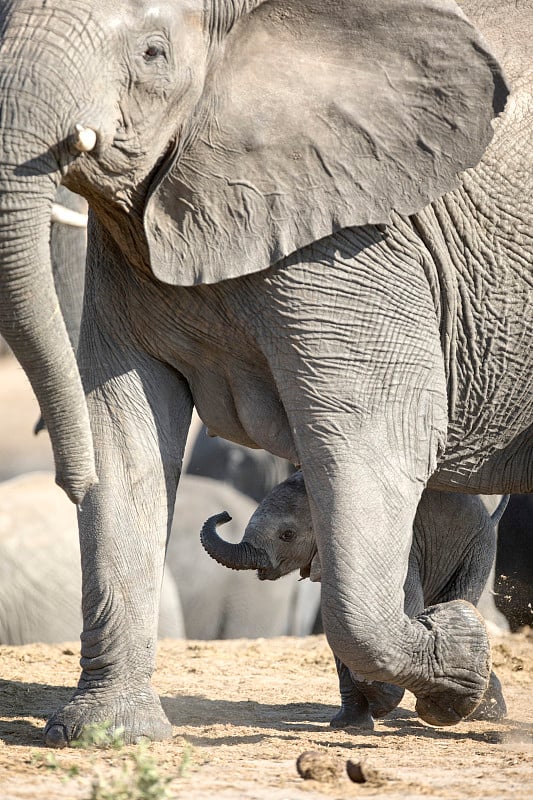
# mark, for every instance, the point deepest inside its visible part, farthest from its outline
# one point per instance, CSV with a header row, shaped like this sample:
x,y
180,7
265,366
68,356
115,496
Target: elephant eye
x,y
154,51
287,536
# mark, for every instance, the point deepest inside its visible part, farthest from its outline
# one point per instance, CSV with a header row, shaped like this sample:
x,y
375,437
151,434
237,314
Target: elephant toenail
x,y
56,736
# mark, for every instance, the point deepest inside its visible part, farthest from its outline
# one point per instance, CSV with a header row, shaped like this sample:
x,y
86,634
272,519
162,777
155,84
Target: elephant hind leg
x,y
355,710
382,697
362,702
493,705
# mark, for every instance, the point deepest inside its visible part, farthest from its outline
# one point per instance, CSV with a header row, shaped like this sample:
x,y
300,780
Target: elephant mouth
x,y
269,574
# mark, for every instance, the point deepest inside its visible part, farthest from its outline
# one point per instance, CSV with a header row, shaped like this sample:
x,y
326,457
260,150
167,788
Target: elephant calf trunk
x,y
238,556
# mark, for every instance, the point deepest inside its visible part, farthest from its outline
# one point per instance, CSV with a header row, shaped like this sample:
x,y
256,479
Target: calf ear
x,y
321,114
315,574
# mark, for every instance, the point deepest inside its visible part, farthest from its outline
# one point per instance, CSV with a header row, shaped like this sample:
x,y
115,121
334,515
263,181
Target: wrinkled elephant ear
x,y
322,114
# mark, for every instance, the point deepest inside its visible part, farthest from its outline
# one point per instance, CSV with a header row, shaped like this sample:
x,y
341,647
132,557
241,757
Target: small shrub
x,y
101,735
139,779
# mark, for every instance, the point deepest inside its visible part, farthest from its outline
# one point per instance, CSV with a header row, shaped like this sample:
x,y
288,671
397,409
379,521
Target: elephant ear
x,y
315,574
323,114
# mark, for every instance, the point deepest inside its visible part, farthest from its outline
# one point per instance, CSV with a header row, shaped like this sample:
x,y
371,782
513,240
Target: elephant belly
x,y
483,466
244,409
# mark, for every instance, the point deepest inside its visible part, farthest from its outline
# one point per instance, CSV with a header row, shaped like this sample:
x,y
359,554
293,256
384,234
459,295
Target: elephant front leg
x,y
140,411
442,655
382,698
356,355
456,539
365,474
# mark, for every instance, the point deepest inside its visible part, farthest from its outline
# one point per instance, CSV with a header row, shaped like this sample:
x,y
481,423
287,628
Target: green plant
x,y
101,735
46,760
186,759
49,761
139,779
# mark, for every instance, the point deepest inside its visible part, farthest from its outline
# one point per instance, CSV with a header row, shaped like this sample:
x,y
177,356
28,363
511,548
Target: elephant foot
x,y
138,715
354,712
493,705
460,664
382,697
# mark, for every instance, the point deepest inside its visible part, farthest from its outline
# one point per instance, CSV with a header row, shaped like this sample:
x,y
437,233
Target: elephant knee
x,y
368,646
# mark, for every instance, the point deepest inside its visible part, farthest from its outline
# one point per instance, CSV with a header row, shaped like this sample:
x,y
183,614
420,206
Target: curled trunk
x,y
242,555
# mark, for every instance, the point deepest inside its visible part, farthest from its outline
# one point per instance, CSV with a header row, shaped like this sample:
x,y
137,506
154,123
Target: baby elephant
x,y
453,548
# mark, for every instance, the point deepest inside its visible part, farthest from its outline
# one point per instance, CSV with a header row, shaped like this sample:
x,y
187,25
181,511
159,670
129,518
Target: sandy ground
x,y
244,710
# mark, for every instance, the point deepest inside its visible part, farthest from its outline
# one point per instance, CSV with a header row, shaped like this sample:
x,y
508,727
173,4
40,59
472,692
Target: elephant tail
x,y
498,513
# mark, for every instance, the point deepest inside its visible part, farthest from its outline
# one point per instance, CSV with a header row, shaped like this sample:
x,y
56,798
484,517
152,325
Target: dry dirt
x,y
244,710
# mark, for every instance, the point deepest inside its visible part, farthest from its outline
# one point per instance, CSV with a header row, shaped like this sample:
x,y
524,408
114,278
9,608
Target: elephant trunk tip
x,y
76,487
39,426
221,519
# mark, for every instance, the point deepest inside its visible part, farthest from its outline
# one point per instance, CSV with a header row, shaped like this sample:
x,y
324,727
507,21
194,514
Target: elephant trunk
x,y
44,105
242,555
31,322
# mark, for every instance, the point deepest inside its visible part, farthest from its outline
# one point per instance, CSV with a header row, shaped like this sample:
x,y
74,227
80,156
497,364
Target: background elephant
x,y
68,248
514,562
40,574
252,472
452,554
302,247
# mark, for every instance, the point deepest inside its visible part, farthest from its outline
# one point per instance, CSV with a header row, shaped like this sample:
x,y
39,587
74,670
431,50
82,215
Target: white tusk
x,y
85,138
66,216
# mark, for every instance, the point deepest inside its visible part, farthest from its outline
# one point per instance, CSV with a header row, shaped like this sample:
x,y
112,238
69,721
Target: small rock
x,y
316,765
361,772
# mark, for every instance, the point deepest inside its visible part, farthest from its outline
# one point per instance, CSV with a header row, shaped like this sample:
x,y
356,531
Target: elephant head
x,y
211,139
278,539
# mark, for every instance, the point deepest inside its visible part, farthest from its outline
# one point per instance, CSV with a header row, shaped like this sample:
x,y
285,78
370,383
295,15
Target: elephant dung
x,y
361,772
318,766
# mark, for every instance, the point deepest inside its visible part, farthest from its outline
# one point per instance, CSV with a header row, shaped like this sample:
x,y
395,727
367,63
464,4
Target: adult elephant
x,y
40,575
374,331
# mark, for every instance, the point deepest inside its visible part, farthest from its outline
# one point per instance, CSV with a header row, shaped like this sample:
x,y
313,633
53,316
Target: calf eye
x,y
287,536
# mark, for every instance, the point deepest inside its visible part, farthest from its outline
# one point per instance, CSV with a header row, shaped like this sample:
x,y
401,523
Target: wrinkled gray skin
x,y
68,245
253,472
68,248
218,604
453,549
40,575
377,328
